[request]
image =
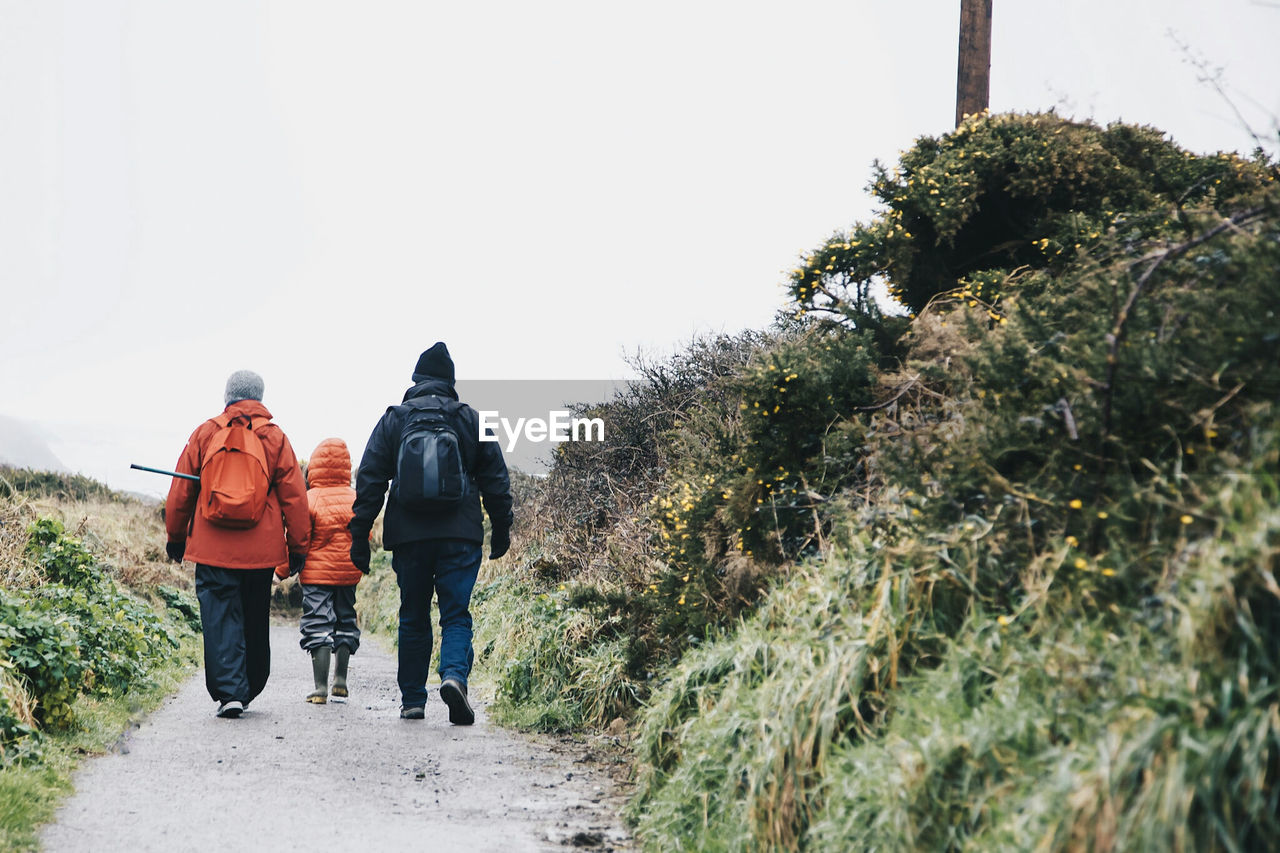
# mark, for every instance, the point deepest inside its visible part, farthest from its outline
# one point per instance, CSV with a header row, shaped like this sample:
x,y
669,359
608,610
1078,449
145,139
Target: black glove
x,y
296,562
175,550
360,552
499,542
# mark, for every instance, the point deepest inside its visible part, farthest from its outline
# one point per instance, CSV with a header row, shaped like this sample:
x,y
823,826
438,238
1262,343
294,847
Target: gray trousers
x,y
329,617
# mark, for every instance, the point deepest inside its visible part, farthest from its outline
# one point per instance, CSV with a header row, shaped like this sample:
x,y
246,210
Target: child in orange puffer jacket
x,y
328,578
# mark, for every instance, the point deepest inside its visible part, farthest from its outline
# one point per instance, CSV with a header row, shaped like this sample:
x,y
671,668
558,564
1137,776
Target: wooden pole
x,y
973,75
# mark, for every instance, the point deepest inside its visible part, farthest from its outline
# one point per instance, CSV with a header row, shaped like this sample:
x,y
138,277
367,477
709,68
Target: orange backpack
x,y
233,478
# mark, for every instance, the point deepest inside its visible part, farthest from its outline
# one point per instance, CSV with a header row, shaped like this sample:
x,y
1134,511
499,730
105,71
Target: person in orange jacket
x,y
328,578
234,563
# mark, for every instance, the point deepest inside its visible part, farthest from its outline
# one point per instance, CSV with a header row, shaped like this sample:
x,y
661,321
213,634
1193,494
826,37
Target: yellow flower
x,y
1076,503
1109,572
1102,514
1186,519
1073,542
681,601
1081,563
1003,620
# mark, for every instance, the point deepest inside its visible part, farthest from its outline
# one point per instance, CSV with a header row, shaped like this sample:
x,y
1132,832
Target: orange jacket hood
x,y
330,464
329,502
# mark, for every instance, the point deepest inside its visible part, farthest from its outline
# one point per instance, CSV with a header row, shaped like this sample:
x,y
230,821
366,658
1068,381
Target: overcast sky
x,y
318,191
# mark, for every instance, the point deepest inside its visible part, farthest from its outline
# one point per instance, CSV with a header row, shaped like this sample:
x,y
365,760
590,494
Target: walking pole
x,y
166,473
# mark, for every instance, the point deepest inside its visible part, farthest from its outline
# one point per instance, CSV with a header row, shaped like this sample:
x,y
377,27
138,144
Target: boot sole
x,y
317,700
339,691
460,713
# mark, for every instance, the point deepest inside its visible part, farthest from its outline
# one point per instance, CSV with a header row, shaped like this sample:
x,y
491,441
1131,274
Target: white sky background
x,y
318,191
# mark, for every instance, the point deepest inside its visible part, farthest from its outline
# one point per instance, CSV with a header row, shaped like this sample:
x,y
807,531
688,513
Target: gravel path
x,y
292,776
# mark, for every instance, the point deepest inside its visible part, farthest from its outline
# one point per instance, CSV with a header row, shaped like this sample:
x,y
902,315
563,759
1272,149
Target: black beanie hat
x,y
435,363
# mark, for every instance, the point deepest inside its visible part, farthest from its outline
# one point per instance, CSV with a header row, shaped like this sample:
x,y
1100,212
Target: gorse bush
x,y
996,575
1009,192
1056,627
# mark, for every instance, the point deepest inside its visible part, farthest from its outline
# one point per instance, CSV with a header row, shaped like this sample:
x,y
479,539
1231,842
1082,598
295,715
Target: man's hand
x,y
296,562
360,552
175,550
499,542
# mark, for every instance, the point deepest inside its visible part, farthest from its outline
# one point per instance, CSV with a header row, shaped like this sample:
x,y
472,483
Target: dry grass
x,y
15,570
128,535
16,699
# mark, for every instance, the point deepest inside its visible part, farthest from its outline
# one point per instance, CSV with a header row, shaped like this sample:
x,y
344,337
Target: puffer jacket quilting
x,y
329,498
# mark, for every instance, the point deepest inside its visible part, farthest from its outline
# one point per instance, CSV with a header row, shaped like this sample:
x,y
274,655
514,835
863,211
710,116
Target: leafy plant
x,y
45,653
61,558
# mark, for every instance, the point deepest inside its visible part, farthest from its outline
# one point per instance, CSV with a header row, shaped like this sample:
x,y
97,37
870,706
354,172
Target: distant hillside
x,y
22,447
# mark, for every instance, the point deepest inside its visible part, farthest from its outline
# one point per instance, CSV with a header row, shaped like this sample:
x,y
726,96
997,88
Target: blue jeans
x,y
446,568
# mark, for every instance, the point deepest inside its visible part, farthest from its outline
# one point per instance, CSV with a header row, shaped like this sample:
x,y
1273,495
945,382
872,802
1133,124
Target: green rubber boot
x,y
320,670
340,671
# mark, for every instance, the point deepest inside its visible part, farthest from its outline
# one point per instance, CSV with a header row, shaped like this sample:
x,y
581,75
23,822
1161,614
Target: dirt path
x,y
293,776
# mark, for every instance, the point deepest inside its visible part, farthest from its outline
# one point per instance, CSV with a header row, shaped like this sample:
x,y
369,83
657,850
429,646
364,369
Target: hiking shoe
x,y
454,694
230,709
412,712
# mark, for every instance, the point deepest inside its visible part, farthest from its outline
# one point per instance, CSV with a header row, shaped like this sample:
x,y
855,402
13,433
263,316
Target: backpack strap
x,y
445,404
225,420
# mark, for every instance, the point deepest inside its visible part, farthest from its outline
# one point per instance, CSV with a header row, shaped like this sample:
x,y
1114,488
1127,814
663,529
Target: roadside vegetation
x,y
95,628
992,567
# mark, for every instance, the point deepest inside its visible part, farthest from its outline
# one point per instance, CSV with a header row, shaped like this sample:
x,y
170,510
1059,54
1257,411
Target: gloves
x,y
360,552
175,550
296,562
499,542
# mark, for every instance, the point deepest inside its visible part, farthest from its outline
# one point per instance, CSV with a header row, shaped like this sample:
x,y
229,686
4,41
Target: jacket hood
x,y
252,408
330,464
431,386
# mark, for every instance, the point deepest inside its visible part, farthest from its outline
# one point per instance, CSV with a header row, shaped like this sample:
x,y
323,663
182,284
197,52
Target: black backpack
x,y
430,474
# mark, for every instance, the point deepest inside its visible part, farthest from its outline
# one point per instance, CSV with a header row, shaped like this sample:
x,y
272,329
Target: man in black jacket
x,y
434,550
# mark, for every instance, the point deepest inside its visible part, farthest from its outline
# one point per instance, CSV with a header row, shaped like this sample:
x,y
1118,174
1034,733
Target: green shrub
x,y
1007,192
120,638
45,653
750,471
76,633
61,558
182,603
1004,581
49,484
